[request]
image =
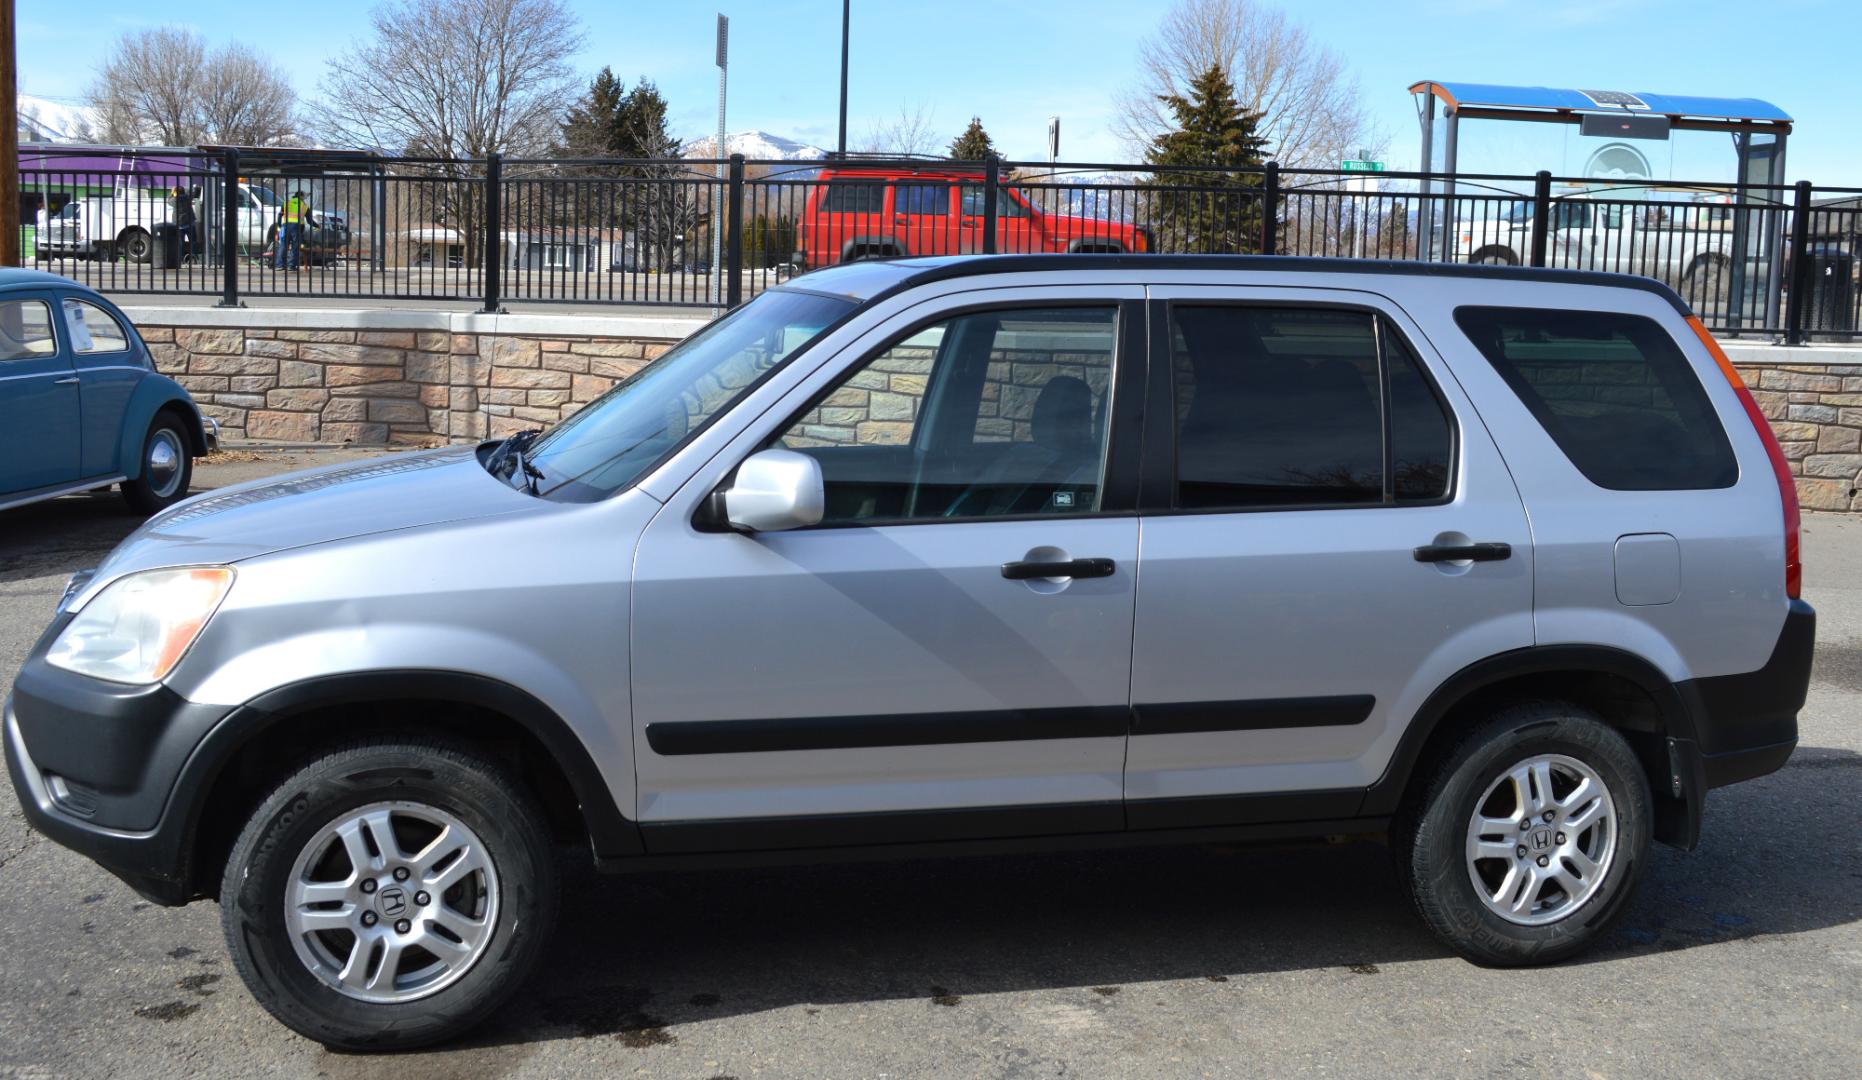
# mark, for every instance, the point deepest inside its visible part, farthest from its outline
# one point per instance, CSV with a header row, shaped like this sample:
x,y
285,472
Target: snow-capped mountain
x,y
756,146
46,121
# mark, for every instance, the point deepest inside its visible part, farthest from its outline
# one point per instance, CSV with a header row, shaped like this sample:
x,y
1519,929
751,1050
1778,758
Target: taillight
x,y
1781,469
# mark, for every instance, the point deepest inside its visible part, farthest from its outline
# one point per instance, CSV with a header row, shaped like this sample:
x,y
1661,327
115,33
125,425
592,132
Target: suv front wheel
x,y
390,894
1527,843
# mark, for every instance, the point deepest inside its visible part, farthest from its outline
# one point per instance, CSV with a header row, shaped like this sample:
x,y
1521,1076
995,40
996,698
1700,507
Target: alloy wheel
x,y
1541,839
392,901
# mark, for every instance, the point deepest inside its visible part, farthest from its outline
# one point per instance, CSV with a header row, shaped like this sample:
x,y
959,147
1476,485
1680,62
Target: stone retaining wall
x,y
388,387
1816,412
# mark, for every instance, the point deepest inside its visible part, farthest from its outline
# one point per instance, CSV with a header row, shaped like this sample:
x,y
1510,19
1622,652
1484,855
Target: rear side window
x,y
93,330
1614,392
927,199
851,197
1285,407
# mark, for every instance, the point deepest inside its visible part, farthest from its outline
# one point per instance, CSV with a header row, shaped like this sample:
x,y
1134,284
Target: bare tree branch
x,y
909,134
454,78
242,103
1309,103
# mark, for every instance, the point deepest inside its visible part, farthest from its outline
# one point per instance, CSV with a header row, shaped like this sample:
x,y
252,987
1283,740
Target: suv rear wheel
x,y
1529,840
390,894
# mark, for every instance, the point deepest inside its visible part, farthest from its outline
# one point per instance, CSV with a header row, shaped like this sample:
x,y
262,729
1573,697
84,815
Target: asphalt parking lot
x,y
1743,958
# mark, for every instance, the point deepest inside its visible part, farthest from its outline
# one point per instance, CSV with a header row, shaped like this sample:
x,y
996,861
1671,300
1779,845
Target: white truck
x,y
122,224
1685,244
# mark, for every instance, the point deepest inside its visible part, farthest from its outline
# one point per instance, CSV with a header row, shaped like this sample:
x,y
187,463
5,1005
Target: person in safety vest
x,y
292,220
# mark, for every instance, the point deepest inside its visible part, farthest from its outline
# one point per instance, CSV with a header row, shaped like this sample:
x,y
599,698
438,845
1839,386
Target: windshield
x,y
620,435
264,195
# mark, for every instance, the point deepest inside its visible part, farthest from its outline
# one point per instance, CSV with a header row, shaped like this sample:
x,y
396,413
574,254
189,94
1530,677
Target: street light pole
x,y
719,151
846,15
9,138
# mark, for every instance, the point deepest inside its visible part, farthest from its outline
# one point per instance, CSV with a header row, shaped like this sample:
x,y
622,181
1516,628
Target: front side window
x,y
620,435
1614,392
991,414
1007,205
93,330
1286,407
25,330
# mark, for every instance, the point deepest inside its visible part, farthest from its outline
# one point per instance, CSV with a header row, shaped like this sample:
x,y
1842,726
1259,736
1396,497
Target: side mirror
x,y
775,490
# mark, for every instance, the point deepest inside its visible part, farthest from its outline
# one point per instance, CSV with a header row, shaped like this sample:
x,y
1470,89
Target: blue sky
x,y
1016,62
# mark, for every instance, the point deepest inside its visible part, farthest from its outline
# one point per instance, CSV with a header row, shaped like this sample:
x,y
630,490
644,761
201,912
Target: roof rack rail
x,y
874,155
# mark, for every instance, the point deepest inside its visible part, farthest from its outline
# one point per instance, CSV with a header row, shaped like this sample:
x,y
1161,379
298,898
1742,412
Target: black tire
x,y
1495,256
136,244
1702,283
154,488
428,773
1430,840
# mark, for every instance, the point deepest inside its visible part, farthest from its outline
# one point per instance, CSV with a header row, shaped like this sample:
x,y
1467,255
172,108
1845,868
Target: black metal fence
x,y
1762,260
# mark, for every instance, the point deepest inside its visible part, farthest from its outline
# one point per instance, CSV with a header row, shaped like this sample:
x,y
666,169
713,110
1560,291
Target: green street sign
x,y
1358,165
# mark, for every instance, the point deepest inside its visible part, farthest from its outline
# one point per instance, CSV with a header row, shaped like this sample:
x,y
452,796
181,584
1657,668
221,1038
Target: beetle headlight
x,y
138,628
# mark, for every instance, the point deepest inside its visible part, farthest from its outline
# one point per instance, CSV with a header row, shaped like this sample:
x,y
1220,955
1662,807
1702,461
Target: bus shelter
x,y
1758,131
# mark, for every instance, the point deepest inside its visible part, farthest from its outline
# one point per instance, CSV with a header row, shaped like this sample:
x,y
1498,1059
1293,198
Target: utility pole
x,y
9,137
719,152
846,16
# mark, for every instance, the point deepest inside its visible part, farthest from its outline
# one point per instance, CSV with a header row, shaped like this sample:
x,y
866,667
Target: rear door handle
x,y
65,382
1072,568
1488,552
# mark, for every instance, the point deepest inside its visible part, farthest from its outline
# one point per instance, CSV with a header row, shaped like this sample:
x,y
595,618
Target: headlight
x,y
137,629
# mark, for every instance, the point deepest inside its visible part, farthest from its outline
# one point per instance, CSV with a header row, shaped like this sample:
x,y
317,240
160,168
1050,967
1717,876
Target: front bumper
x,y
100,768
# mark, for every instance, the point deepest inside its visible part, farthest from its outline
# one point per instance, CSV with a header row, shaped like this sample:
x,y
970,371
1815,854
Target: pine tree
x,y
612,121
640,129
1212,133
588,128
974,144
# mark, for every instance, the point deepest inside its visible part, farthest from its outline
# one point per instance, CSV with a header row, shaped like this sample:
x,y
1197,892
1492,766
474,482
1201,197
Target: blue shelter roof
x,y
1674,106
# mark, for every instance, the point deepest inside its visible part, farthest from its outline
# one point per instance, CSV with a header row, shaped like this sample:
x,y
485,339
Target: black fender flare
x,y
610,832
1386,795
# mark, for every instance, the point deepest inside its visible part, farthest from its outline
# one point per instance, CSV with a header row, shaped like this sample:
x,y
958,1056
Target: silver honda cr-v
x,y
944,555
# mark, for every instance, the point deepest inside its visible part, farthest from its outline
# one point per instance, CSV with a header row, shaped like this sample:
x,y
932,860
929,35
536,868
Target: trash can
x,y
1832,300
167,253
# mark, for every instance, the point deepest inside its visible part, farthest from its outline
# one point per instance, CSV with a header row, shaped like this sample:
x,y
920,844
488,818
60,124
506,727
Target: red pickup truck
x,y
872,212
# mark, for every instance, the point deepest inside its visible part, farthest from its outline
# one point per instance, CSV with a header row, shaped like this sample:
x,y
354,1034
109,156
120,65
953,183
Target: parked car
x,y
1690,246
859,566
326,237
874,211
81,404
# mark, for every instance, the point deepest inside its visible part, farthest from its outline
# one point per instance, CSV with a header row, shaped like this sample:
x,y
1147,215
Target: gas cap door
x,y
1648,569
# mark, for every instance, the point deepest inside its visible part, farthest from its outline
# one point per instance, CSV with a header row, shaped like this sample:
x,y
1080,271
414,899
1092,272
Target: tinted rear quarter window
x,y
853,197
1614,392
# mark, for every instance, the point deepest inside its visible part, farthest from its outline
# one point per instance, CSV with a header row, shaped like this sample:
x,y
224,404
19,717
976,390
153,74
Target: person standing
x,y
291,222
182,205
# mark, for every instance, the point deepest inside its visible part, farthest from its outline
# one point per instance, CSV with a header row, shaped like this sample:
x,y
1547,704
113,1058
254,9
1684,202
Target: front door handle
x,y
65,382
1071,568
1488,552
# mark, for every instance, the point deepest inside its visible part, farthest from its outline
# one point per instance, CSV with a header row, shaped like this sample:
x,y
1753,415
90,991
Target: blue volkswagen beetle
x,y
81,404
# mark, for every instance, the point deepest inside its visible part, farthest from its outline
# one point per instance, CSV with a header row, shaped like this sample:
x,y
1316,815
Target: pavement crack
x,y
32,839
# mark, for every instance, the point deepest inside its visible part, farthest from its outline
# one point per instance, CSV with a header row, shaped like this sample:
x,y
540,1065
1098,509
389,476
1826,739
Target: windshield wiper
x,y
509,458
530,473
